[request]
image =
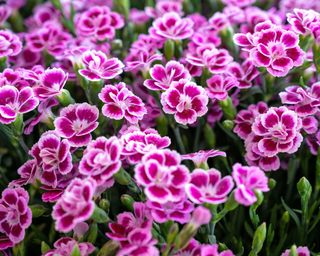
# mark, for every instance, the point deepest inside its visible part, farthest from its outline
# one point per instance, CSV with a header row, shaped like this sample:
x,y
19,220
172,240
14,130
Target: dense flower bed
x,y
166,127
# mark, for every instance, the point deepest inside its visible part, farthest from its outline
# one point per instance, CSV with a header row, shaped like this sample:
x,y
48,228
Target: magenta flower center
x,y
277,50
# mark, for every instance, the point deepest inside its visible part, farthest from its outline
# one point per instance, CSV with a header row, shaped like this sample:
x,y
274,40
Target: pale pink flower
x,y
213,250
138,17
162,176
120,102
301,251
76,122
241,3
245,73
219,85
186,100
28,173
10,44
202,156
98,66
5,12
140,60
200,216
75,205
163,76
164,6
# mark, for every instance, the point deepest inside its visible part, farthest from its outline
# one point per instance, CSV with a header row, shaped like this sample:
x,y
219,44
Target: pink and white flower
x,y
245,73
162,175
163,76
186,100
207,186
171,26
75,205
98,66
241,3
15,216
302,20
219,85
202,156
76,122
101,159
248,181
121,103
10,44
301,251
14,102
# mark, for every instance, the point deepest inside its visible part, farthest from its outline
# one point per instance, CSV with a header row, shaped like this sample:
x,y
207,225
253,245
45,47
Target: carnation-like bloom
x,y
279,129
202,156
98,66
207,186
65,245
137,143
101,159
302,20
15,216
239,3
53,156
171,26
28,173
246,117
164,6
245,73
14,102
303,101
10,44
213,250
219,85
163,76
51,83
76,122
301,251
175,211
75,205
200,216
162,175
272,47
98,23
248,180
186,100
121,103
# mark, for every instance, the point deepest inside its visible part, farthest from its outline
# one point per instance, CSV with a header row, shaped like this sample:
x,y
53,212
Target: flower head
x,y
202,156
218,86
10,44
301,251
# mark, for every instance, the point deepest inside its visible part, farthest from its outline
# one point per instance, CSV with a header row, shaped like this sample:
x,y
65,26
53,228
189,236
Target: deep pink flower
x,y
310,124
140,60
138,17
301,250
241,3
121,103
5,12
163,76
28,173
98,23
137,143
302,20
162,175
15,216
101,159
98,66
176,211
245,73
272,47
186,100
16,4
303,101
65,245
212,250
10,44
76,122
219,85
164,6
14,102
248,180
202,156
279,129
207,186
75,205
51,83
53,156
216,60
171,26
246,117
219,21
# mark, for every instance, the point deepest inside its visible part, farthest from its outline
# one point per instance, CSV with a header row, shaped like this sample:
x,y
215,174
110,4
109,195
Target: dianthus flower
x,y
202,156
162,175
76,122
219,85
164,6
244,73
75,205
15,216
186,100
120,102
302,20
10,44
301,251
248,180
241,3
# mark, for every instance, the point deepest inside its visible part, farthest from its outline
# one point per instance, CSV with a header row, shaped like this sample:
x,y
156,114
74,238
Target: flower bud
x,y
304,189
293,251
258,239
169,50
122,177
209,135
93,233
44,247
104,204
228,124
228,109
108,249
65,98
127,201
173,232
272,183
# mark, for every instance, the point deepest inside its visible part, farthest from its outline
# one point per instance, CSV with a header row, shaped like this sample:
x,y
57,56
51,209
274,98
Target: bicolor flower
x,y
219,85
10,44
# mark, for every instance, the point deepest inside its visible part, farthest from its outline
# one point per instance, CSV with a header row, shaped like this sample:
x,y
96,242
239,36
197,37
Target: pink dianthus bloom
x,y
200,216
14,102
98,23
304,102
76,122
101,159
212,250
207,186
98,66
163,76
15,216
65,245
164,6
171,26
202,156
245,73
10,44
241,3
248,180
120,102
186,100
162,175
302,20
301,251
219,85
75,205
272,47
